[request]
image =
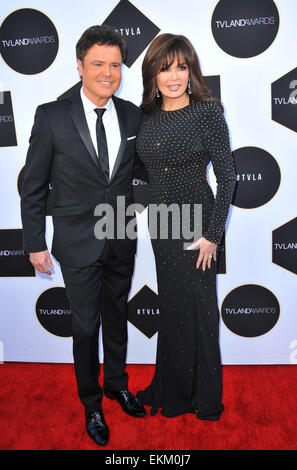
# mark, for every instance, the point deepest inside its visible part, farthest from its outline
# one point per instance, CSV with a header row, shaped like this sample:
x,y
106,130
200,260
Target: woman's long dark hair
x,y
162,52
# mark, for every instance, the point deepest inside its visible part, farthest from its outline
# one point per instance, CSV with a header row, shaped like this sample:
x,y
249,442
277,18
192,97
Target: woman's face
x,y
172,81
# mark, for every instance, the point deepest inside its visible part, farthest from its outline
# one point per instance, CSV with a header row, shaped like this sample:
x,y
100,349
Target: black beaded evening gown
x,y
176,147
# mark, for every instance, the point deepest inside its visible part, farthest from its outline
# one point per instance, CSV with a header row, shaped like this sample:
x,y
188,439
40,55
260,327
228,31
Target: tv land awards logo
x,y
7,125
284,100
245,28
54,313
137,30
14,262
284,246
258,177
250,310
28,41
144,311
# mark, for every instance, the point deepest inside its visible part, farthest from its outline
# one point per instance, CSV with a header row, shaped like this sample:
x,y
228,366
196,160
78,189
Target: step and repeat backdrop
x,y
246,49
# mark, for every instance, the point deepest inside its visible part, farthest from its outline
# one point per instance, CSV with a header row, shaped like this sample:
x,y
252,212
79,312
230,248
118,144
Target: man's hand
x,y
41,260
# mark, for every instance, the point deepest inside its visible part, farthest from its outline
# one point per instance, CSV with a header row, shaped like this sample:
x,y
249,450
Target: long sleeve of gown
x,y
217,146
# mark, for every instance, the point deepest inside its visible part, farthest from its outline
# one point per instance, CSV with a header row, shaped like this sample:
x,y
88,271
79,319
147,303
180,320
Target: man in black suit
x,y
84,146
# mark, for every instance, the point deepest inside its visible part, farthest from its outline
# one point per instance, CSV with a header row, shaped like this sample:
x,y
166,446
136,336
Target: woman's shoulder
x,y
149,116
207,109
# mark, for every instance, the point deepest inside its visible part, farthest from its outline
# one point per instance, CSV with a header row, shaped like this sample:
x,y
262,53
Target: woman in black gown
x,y
182,130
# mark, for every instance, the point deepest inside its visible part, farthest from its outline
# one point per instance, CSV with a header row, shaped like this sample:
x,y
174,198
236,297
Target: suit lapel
x,y
78,115
122,118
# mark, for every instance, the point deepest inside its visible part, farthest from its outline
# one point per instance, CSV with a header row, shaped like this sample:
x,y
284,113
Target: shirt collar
x,y
89,106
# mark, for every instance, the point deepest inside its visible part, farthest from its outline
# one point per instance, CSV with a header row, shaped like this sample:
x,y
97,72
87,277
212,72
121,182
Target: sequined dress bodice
x,y
176,147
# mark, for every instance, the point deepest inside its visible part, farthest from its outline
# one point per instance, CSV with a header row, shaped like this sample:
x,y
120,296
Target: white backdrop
x,y
246,94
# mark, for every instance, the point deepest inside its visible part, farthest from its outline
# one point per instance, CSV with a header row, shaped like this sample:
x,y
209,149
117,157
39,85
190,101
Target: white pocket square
x,y
133,137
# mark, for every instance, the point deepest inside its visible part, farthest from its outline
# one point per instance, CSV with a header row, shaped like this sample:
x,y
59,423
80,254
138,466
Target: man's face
x,y
101,72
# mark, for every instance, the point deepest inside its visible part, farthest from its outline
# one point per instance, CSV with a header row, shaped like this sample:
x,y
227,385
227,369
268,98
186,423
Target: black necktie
x,y
101,141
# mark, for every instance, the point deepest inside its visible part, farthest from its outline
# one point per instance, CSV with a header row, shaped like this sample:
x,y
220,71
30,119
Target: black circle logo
x,y
54,313
245,28
258,177
250,310
28,41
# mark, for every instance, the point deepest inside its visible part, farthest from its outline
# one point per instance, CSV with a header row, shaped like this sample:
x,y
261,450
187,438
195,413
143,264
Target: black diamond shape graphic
x,y
284,100
143,311
71,91
213,83
284,252
137,30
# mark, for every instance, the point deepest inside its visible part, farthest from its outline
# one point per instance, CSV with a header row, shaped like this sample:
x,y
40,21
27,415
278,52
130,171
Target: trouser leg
x,y
117,275
83,287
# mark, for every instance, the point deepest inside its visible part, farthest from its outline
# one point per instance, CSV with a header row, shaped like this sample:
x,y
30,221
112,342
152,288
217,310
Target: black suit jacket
x,y
61,153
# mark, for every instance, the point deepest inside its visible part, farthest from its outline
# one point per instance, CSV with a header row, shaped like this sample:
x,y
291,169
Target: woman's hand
x,y
208,250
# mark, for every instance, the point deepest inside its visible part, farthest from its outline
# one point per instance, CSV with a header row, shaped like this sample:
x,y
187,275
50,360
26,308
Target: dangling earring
x,y
189,88
157,93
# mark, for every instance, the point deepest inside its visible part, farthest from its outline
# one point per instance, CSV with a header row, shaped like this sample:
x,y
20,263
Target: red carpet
x,y
39,410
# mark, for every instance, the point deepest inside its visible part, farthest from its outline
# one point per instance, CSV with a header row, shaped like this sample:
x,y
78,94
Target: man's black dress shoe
x,y
128,402
97,427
